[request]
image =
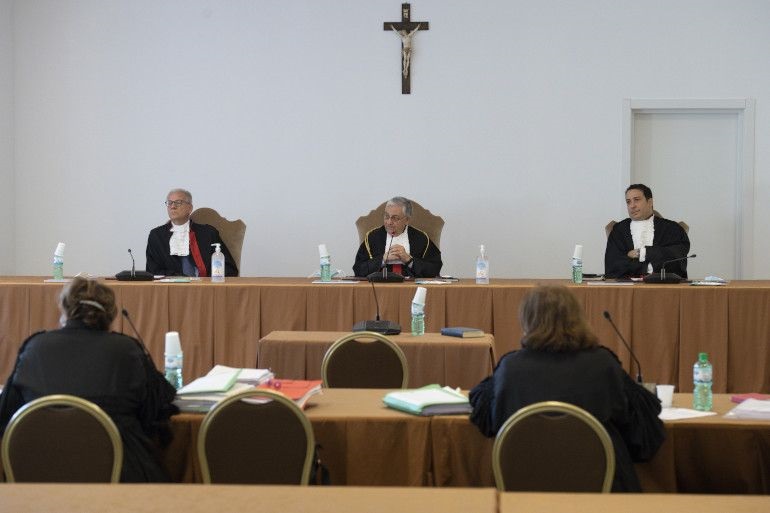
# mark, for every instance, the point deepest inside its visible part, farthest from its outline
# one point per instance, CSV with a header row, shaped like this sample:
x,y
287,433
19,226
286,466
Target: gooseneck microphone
x,y
383,275
136,332
638,365
384,265
663,277
132,275
133,263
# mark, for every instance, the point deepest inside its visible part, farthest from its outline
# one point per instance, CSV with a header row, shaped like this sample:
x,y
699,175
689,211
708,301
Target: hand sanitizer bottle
x,y
217,264
482,267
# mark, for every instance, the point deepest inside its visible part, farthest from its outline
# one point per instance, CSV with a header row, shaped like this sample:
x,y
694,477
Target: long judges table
x,y
366,444
432,358
667,325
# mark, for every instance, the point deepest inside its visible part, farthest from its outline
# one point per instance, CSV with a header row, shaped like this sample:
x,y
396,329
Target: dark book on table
x,y
462,332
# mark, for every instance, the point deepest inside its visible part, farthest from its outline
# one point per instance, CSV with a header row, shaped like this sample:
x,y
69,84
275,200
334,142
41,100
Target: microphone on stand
x,y
378,326
649,386
133,275
663,277
383,275
136,331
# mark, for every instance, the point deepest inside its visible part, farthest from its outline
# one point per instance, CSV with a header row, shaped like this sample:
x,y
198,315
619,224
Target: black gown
x,y
427,257
160,261
106,368
591,379
670,241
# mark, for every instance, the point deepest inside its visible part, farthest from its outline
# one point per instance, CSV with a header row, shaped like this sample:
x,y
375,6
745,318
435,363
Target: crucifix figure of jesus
x,y
406,29
406,48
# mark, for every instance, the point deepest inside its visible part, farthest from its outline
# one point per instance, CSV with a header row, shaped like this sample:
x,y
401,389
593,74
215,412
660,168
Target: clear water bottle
x,y
217,264
702,373
173,359
326,268
577,270
577,264
418,319
482,267
326,263
58,262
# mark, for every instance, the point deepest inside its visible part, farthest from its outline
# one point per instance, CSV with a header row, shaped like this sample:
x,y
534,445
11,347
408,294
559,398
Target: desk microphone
x,y
662,277
378,326
383,275
136,332
628,346
132,275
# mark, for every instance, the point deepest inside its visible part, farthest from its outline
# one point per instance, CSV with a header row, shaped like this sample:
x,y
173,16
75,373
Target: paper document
x,y
211,383
428,400
683,413
750,409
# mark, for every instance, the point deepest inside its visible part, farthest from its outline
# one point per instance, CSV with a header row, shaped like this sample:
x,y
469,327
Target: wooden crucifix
x,y
406,29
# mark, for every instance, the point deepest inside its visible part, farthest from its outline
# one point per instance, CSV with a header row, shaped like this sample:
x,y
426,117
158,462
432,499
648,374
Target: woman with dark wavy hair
x,y
561,360
110,369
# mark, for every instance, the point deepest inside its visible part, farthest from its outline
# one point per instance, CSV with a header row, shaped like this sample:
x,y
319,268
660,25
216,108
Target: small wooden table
x,y
432,358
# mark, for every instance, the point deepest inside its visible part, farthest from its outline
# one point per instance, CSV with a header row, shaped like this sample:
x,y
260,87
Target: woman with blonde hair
x,y
110,369
561,360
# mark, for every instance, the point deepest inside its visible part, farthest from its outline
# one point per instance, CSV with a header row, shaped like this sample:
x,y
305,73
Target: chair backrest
x,y
256,437
62,439
611,224
422,219
364,359
553,446
232,232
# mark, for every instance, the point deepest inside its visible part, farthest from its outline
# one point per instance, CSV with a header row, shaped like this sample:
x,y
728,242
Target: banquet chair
x,y
422,219
256,437
364,359
553,447
62,439
232,232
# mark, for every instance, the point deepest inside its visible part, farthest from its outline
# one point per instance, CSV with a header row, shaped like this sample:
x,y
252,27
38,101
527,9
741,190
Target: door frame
x,y
744,187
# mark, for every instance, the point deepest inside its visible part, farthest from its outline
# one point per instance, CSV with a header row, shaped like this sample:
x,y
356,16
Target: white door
x,y
692,159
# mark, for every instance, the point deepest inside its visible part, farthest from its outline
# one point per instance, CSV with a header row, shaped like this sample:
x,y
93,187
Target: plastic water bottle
x,y
217,264
58,262
702,373
174,359
418,312
482,267
326,263
418,319
577,264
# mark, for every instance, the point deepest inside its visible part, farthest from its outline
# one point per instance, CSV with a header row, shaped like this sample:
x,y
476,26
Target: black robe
x,y
106,368
670,241
427,257
591,379
160,261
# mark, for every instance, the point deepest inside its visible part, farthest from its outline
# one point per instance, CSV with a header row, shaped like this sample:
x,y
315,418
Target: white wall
x,y
288,114
7,264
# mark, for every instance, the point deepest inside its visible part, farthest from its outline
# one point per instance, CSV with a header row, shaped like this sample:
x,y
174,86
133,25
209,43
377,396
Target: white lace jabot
x,y
179,244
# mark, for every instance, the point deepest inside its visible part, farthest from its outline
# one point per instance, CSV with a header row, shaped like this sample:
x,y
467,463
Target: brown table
x,y
135,498
366,444
629,503
219,323
432,358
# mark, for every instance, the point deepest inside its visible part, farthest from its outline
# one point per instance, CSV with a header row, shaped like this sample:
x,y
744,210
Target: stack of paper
x,y
750,409
220,382
428,400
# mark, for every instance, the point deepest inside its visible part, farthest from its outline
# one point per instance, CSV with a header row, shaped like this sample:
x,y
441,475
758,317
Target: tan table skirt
x,y
667,325
432,358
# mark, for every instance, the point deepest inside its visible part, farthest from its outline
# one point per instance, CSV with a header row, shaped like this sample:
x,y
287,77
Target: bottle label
x,y
702,374
174,361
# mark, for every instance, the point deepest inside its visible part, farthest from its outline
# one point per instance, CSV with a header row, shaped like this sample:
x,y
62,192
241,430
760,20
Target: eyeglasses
x,y
395,219
176,203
